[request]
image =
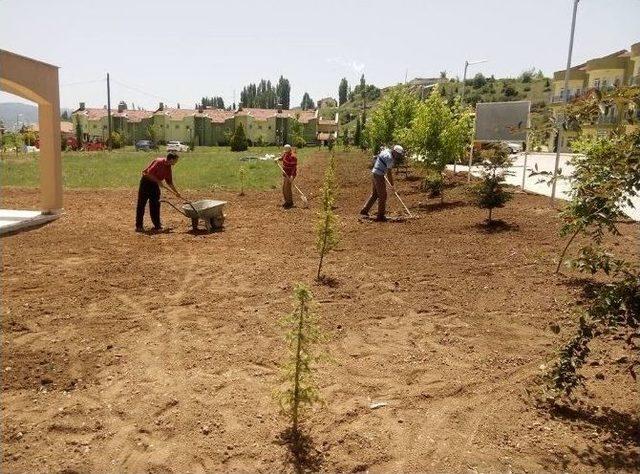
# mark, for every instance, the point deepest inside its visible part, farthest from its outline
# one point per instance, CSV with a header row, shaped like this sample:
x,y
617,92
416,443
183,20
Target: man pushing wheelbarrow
x,y
152,178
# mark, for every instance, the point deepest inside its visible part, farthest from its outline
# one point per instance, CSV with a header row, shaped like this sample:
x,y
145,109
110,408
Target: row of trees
x,y
217,102
265,95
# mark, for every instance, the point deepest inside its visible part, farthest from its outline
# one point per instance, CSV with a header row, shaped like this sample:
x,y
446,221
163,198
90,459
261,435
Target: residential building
x,y
621,68
204,126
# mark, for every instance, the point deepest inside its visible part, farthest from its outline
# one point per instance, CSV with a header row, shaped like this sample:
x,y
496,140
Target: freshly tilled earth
x,y
142,353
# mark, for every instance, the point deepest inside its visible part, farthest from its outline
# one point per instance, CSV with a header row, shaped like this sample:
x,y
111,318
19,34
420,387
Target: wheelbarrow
x,y
209,210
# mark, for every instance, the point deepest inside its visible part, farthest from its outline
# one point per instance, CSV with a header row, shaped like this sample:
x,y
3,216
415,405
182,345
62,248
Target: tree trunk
x,y
490,211
566,247
296,384
324,244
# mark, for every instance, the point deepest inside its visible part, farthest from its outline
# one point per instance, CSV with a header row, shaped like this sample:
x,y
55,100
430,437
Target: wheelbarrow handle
x,y
171,204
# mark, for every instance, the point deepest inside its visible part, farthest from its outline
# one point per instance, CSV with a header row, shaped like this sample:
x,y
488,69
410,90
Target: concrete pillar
x,y
50,157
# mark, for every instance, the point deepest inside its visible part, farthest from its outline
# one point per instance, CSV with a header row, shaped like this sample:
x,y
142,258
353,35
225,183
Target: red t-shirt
x,y
160,169
289,164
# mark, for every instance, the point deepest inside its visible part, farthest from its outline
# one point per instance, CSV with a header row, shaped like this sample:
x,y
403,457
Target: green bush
x,y
117,140
433,185
238,140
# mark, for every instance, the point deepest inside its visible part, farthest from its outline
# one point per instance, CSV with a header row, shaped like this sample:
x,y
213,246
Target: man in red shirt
x,y
152,176
290,167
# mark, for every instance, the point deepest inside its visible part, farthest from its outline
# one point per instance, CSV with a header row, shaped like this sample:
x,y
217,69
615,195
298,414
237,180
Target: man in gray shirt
x,y
382,166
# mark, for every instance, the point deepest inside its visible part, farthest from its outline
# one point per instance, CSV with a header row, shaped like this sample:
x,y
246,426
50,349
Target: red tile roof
x,y
263,114
92,114
176,114
134,115
217,115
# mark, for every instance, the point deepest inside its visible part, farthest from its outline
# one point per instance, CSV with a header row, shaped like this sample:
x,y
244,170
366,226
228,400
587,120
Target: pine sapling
x,y
243,176
302,333
327,237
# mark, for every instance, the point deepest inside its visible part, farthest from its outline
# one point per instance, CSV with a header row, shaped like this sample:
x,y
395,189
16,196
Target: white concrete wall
x,y
539,184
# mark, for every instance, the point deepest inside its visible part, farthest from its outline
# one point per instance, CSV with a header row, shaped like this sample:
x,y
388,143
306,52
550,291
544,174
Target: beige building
x,y
621,68
204,126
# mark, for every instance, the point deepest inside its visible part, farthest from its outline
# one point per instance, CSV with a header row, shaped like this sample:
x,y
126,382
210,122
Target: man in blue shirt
x,y
382,166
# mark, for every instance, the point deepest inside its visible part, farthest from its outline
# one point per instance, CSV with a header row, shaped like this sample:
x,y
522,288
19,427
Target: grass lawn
x,y
203,168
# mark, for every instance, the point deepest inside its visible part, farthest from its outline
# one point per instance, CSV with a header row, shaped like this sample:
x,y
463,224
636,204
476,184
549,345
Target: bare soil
x,y
127,352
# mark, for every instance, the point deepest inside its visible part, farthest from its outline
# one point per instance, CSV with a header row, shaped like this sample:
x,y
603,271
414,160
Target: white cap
x,y
287,147
398,149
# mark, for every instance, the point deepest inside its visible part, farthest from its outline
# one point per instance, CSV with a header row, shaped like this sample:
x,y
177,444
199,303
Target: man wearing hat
x,y
383,166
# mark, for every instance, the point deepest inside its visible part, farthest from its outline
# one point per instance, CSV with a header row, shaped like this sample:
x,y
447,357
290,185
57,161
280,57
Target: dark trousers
x,y
148,191
378,193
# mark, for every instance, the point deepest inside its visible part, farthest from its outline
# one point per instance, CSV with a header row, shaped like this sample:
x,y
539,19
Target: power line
x,y
139,90
80,82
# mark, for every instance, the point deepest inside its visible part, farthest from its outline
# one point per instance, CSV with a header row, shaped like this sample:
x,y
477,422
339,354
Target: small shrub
x,y
117,140
433,184
489,193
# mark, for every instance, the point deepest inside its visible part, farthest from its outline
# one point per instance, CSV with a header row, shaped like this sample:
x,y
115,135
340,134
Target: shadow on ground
x,y
623,430
441,206
301,454
496,226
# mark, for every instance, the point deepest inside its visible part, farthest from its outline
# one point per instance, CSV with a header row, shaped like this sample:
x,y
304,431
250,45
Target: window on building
x,y
596,83
269,127
259,127
177,127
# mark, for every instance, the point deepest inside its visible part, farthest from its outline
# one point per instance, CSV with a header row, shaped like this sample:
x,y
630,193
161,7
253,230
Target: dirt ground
x,y
126,352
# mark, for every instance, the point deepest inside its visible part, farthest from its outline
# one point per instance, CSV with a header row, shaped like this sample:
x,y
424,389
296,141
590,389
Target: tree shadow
x,y
441,206
496,226
329,281
301,452
621,450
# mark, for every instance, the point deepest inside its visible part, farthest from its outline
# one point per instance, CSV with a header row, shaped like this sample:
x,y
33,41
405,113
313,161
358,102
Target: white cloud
x,y
350,64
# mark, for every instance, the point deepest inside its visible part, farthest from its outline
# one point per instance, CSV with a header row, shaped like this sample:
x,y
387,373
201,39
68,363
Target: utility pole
x,y
464,77
108,113
565,99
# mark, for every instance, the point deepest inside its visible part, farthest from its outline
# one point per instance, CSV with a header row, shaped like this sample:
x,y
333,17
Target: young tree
x,y
243,177
357,134
65,116
345,139
438,133
302,334
238,140
489,191
296,132
391,119
327,235
307,102
78,135
343,91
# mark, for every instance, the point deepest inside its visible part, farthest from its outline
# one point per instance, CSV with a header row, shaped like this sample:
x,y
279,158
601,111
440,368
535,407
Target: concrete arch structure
x,y
38,81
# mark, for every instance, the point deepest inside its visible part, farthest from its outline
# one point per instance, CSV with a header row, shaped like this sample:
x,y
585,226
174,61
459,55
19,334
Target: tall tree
x,y
65,116
283,92
307,102
343,90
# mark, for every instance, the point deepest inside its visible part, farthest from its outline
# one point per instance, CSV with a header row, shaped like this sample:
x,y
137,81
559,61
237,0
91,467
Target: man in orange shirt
x,y
290,168
152,176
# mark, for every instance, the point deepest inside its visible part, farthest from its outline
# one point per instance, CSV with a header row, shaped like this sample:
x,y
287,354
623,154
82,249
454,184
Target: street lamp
x,y
565,98
464,77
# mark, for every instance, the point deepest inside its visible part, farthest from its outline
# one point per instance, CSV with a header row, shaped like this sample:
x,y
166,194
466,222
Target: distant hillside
x,y
9,113
485,89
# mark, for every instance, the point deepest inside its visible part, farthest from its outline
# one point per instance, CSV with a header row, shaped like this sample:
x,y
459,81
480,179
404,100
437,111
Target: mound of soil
x,y
127,352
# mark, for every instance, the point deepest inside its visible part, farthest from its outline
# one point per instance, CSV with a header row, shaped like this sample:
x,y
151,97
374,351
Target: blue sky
x,y
178,51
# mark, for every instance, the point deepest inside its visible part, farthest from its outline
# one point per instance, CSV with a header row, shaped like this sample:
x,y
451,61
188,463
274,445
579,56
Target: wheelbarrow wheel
x,y
194,223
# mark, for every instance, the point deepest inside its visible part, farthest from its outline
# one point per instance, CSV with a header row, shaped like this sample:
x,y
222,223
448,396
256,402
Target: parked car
x,y
145,145
177,146
514,147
